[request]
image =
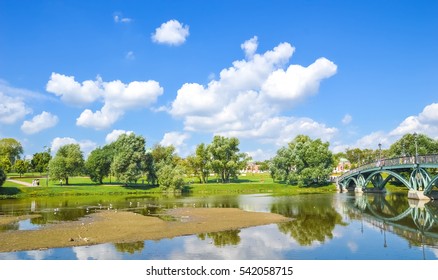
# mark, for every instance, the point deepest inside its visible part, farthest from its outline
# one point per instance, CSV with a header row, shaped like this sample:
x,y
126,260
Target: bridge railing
x,y
407,160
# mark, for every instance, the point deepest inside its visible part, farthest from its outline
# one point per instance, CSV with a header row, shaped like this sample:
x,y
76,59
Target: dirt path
x,y
123,227
19,182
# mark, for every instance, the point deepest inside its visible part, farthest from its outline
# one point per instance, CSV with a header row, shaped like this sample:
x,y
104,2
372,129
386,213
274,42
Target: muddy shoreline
x,y
123,227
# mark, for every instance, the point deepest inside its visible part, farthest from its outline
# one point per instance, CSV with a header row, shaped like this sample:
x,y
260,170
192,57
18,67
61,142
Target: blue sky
x,y
354,73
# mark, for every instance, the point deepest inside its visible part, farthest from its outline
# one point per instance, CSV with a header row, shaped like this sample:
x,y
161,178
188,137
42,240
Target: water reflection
x,y
313,220
413,220
131,247
340,226
222,238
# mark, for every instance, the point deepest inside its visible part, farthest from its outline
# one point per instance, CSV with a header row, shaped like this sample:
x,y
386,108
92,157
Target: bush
x,y
2,177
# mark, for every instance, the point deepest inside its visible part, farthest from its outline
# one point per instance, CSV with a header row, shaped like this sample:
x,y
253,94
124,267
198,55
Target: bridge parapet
x,y
398,161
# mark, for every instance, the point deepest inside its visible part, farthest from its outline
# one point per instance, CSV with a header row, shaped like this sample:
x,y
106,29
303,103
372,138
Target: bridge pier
x,y
358,190
418,195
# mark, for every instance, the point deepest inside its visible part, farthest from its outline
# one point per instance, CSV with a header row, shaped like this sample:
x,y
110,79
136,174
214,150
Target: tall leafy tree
x,y
10,148
40,161
303,161
129,159
98,164
405,146
226,161
67,162
5,164
198,164
168,167
21,166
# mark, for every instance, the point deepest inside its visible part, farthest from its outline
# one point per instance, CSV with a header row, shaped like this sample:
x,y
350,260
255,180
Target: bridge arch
x,y
383,183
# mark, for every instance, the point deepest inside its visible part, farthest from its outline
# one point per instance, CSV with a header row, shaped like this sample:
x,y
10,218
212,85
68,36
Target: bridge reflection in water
x,y
417,173
414,220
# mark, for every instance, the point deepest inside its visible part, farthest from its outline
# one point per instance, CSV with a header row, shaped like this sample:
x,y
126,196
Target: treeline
x,y
304,161
127,160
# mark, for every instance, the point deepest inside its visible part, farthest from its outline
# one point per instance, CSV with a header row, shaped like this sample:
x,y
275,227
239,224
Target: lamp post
x,y
416,147
380,151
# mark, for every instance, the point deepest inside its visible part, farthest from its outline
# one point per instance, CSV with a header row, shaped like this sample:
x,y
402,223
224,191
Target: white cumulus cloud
x,y
117,97
40,122
171,33
114,135
248,98
86,145
12,109
176,139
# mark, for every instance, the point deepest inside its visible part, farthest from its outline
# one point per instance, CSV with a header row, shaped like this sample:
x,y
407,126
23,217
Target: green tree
x,y
405,146
171,177
168,167
5,164
40,161
67,162
10,148
303,161
129,159
2,177
21,166
226,161
98,164
199,163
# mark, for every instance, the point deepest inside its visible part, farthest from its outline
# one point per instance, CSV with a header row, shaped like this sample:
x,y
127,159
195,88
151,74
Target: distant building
x,y
252,167
343,166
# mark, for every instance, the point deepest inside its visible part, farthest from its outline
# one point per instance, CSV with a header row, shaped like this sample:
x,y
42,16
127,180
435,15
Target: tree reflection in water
x,y
130,247
222,238
311,221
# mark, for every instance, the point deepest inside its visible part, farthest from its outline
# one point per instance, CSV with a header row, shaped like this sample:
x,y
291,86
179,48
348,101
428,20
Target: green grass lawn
x,y
252,183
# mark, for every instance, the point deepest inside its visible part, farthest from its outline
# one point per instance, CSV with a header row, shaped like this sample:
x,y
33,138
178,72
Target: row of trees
x,y
128,160
303,161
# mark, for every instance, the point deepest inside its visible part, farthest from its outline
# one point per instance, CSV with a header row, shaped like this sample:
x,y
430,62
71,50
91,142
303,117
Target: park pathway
x,y
20,182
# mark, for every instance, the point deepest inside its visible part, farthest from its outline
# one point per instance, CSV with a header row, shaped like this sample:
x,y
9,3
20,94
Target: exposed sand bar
x,y
121,227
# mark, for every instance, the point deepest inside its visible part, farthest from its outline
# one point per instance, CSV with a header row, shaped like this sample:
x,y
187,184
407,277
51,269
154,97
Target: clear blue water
x,y
323,227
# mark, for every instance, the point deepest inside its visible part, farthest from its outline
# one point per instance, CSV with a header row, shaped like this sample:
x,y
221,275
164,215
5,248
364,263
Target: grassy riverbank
x,y
254,183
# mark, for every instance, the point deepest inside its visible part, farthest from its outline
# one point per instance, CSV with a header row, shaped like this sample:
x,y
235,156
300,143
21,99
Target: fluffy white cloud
x,y
86,145
72,92
248,98
40,122
250,46
176,139
12,109
426,122
171,33
114,135
116,96
347,119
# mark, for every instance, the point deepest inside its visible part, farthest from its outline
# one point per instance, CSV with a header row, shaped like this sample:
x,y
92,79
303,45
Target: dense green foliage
x,y
10,149
21,166
199,163
98,164
168,168
304,162
5,164
67,162
2,177
40,161
128,162
406,146
226,161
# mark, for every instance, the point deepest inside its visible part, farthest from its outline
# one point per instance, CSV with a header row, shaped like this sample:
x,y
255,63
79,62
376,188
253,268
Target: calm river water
x,y
324,227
